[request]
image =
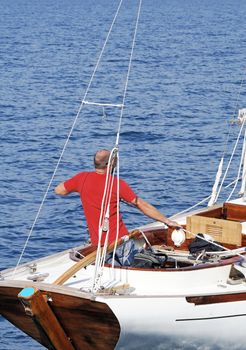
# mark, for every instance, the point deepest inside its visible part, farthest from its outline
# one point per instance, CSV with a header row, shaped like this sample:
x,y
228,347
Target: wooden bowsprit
x,y
89,259
37,307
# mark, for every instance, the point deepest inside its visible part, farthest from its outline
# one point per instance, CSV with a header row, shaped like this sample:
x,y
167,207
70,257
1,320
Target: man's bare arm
x,y
149,210
61,190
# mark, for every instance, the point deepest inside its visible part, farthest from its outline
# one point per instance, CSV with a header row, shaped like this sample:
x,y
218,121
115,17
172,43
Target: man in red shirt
x,y
91,185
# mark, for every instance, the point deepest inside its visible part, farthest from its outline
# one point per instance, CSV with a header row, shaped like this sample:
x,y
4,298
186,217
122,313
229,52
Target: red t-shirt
x,y
90,186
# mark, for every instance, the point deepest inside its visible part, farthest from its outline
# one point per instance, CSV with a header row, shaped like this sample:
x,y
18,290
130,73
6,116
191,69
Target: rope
x,y
239,170
222,182
234,114
190,208
230,160
68,137
216,183
214,243
231,183
242,190
227,139
118,210
104,214
101,257
128,72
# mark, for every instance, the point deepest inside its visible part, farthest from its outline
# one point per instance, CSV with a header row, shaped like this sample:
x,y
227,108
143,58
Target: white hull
x,y
172,319
166,308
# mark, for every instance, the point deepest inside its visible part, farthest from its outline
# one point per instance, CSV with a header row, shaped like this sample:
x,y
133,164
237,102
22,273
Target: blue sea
x,y
184,89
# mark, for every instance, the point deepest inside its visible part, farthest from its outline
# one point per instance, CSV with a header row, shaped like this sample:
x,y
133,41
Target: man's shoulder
x,y
83,173
79,176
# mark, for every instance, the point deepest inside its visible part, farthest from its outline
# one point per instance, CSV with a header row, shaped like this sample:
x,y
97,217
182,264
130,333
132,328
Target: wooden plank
x,y
215,299
12,310
212,212
224,231
89,324
36,306
235,212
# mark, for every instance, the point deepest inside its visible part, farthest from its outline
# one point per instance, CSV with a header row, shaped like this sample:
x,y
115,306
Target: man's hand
x,y
171,223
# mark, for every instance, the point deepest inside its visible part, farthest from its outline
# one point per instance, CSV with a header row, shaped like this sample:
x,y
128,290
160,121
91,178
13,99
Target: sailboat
x,y
183,285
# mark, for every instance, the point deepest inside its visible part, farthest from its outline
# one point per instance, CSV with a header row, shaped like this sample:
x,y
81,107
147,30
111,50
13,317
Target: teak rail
x,y
89,259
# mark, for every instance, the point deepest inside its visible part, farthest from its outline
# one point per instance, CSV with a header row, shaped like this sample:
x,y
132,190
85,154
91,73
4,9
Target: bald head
x,y
101,159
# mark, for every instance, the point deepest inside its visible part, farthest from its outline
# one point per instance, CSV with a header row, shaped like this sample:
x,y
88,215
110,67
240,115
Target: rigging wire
x,y
118,210
243,184
239,170
120,123
104,216
128,71
234,114
230,160
192,207
227,140
100,259
68,137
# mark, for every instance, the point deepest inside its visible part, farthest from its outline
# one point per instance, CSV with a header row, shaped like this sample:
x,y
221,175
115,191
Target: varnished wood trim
x,y
89,324
215,299
89,259
36,306
235,211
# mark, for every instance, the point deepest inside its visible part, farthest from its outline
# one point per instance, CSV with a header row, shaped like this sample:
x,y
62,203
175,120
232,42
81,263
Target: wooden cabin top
x,y
226,223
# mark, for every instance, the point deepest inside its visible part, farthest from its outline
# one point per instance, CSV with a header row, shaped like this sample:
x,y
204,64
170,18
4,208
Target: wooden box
x,y
224,231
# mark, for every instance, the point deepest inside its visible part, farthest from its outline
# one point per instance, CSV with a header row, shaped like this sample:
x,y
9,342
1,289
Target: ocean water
x,y
185,86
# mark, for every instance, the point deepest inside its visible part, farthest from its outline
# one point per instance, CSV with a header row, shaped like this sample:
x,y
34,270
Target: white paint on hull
x,y
175,318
